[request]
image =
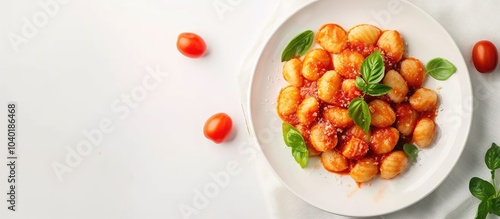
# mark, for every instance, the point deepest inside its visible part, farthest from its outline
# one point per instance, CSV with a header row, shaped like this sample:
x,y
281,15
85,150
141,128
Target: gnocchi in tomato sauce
x,y
322,84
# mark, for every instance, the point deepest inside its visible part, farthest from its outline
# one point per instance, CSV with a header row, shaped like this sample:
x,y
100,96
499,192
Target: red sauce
x,y
431,114
379,158
344,137
310,88
403,110
402,140
361,48
389,62
292,119
342,99
385,98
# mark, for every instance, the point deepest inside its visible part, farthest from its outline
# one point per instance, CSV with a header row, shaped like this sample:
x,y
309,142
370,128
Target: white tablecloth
x,y
467,22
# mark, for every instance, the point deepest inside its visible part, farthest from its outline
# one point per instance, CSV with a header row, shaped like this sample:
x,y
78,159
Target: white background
x,y
68,75
89,54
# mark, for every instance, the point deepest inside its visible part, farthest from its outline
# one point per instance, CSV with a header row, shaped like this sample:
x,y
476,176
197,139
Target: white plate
x,y
425,39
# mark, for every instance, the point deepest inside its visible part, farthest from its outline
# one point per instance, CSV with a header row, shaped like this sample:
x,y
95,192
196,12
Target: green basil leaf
x,y
286,127
492,157
482,209
291,135
373,68
298,46
301,147
300,157
359,112
361,84
294,139
410,150
481,189
378,89
440,69
495,206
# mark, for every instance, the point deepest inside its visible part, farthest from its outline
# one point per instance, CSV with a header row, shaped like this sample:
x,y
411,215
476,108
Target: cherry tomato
x,y
485,56
191,45
218,127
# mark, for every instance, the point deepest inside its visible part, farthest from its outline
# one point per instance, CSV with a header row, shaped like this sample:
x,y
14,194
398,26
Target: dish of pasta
x,y
322,84
354,114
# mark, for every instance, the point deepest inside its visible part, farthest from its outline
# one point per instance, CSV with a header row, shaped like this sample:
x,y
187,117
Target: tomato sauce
x,y
292,119
431,114
309,89
361,48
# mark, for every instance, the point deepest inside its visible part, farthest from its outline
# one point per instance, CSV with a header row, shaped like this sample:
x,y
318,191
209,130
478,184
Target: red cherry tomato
x,y
485,56
191,45
218,127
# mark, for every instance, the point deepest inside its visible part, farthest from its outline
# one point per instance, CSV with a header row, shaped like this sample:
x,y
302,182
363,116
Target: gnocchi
x,y
322,84
288,100
329,85
355,149
338,117
348,63
424,132
332,38
315,64
334,161
413,71
424,100
399,88
308,111
406,119
384,140
392,45
323,136
292,72
393,164
382,113
364,170
364,33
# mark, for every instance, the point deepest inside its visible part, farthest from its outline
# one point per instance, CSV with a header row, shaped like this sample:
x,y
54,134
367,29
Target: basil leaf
x,y
359,112
294,139
286,127
481,189
373,68
410,150
298,46
440,69
361,84
495,206
492,157
378,89
291,135
301,147
482,209
301,157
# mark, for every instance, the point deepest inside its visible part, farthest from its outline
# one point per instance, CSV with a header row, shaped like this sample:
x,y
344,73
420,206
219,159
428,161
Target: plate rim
x,y
468,122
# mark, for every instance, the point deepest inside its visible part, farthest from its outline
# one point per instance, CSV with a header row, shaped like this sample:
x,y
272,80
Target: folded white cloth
x,y
467,22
